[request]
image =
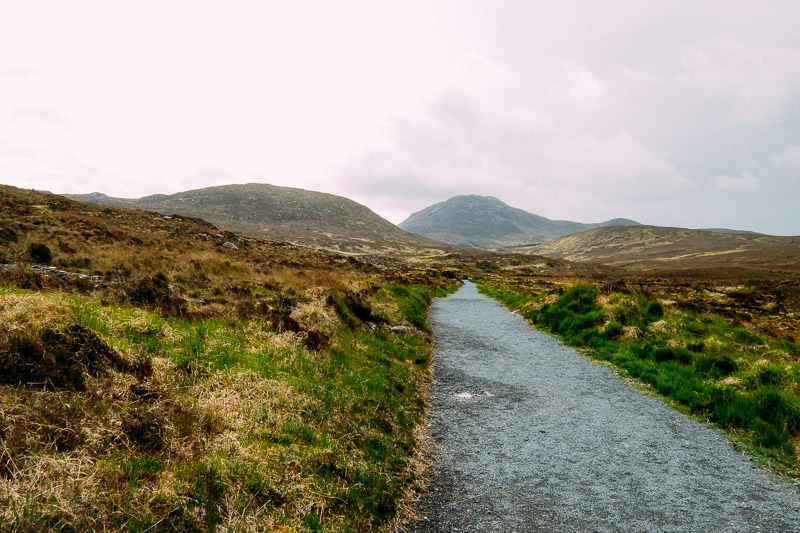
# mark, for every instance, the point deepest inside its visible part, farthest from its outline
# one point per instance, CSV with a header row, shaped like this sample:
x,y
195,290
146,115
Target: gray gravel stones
x,y
533,437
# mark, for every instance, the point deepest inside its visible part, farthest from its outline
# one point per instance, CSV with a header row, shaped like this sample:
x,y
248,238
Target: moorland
x,y
161,374
164,373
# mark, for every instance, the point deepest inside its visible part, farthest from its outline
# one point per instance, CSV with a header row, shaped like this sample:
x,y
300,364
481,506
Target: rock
x,y
230,245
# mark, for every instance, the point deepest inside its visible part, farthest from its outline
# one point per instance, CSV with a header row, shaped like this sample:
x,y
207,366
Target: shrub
x,y
627,315
580,299
771,375
56,360
654,310
612,331
778,407
40,252
715,366
156,292
576,310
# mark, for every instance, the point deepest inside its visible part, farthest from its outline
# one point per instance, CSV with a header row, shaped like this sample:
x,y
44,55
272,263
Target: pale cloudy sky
x,y
670,112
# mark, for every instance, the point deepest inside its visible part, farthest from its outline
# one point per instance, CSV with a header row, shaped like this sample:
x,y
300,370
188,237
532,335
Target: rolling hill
x,y
654,247
486,222
136,347
284,214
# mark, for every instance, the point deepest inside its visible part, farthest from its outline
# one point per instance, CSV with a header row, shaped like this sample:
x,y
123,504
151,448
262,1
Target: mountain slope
x,y
654,247
486,222
155,379
285,214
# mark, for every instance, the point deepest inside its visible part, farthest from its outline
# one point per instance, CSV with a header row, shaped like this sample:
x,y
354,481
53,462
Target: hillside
x,y
161,374
284,214
654,247
486,222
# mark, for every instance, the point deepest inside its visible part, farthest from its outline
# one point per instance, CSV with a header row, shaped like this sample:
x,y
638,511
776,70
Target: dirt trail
x,y
533,437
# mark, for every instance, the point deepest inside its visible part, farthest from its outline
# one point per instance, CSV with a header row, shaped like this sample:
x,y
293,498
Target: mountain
x,y
285,214
486,222
653,247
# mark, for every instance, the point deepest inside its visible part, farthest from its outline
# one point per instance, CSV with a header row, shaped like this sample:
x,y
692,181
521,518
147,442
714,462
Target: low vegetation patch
x,y
738,380
154,379
127,418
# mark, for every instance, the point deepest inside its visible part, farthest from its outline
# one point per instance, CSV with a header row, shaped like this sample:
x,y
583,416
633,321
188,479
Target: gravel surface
x,y
533,437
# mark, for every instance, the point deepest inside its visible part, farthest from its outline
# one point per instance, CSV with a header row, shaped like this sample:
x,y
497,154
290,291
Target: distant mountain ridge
x,y
487,222
275,213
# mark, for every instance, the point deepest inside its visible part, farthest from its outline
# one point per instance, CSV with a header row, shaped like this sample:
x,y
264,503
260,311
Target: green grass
x,y
732,377
413,300
248,429
138,467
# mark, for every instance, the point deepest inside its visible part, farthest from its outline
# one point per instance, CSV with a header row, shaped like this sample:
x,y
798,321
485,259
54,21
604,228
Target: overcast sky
x,y
676,113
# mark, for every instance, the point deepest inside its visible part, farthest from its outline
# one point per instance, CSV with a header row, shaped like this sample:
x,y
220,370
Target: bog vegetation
x,y
743,382
159,374
156,380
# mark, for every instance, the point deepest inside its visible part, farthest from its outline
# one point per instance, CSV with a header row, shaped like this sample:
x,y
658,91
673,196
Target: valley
x,y
248,357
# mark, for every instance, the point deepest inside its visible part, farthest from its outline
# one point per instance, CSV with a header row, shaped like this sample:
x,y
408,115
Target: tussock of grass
x,y
742,382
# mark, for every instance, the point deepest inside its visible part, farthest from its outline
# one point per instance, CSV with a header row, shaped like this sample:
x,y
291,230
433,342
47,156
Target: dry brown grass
x,y
215,410
31,311
196,421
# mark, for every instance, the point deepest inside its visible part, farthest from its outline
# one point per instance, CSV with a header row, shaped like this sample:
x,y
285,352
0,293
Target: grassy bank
x,y
739,381
159,374
143,421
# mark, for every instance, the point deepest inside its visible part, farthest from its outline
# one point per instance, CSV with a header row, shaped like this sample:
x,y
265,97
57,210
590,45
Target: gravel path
x,y
533,437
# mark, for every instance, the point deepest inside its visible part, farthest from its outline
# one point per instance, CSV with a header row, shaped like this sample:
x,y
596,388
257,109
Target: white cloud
x,y
760,80
18,74
578,110
789,158
204,177
156,90
460,147
735,183
615,165
637,76
45,115
581,88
